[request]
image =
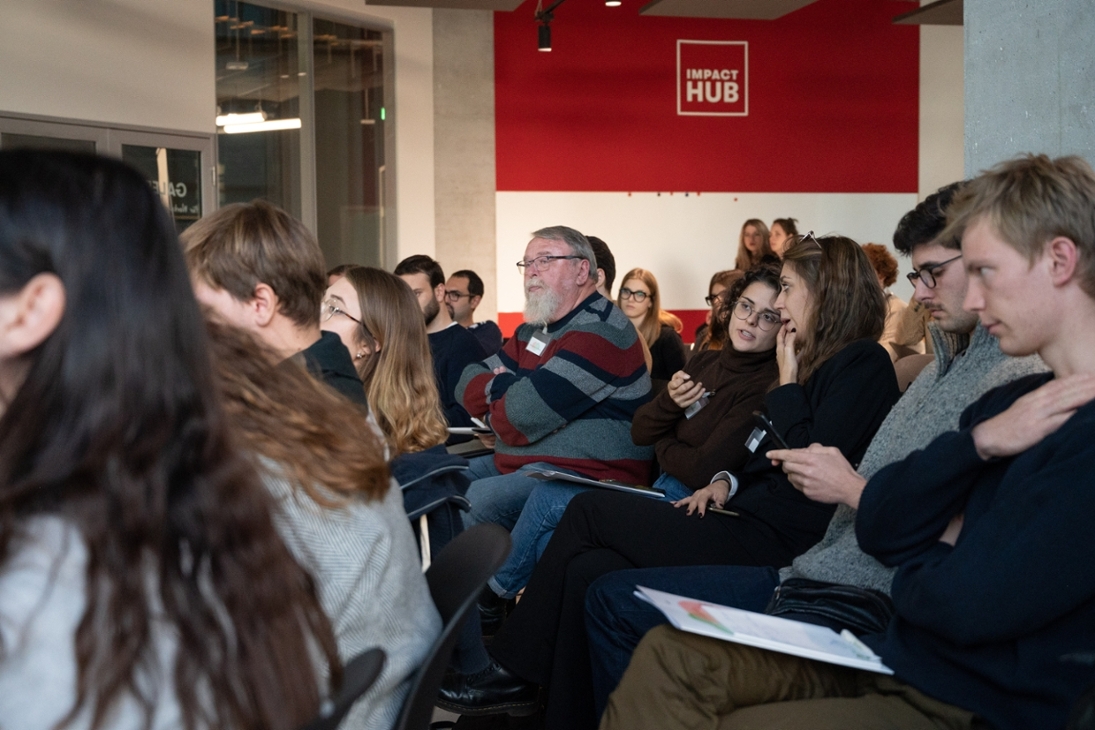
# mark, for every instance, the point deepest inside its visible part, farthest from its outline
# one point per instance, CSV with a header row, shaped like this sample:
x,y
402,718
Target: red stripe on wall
x,y
832,102
508,322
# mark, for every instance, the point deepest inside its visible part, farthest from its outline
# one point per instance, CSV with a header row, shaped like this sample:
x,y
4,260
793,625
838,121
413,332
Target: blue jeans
x,y
542,511
497,497
616,620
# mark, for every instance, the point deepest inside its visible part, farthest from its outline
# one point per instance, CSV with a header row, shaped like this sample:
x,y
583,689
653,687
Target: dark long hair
x,y
116,430
847,303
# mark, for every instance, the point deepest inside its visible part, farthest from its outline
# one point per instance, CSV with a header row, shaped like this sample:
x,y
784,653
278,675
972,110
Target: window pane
x,y
350,120
175,175
258,73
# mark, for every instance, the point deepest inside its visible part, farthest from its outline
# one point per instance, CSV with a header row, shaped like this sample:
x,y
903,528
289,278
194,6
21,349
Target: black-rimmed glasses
x,y
455,296
542,262
712,298
767,320
928,273
638,296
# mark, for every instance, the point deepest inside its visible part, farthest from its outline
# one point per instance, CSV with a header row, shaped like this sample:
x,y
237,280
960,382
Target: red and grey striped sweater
x,y
571,405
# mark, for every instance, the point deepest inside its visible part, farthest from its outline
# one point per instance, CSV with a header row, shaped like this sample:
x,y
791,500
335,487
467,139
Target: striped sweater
x,y
571,405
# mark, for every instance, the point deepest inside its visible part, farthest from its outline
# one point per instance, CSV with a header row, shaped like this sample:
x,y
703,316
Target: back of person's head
x,y
883,262
847,303
1029,201
789,225
924,223
422,264
604,259
475,284
398,376
317,438
116,429
245,244
579,244
338,271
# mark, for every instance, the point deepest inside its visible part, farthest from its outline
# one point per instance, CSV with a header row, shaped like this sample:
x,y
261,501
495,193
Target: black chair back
x,y
357,677
456,577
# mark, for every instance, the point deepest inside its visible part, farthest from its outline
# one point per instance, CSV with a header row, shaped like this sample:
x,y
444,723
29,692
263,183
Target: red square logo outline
x,y
745,71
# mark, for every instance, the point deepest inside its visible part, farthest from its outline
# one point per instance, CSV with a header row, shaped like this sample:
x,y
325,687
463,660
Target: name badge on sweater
x,y
697,406
538,342
755,438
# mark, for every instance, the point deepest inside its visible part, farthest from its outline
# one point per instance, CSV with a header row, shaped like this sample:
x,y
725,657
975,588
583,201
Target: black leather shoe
x,y
492,691
493,610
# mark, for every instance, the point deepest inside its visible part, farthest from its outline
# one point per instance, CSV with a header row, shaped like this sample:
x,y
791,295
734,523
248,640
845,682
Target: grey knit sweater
x,y
965,367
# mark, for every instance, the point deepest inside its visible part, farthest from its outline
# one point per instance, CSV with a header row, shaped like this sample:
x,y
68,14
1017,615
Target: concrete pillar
x,y
464,171
1030,79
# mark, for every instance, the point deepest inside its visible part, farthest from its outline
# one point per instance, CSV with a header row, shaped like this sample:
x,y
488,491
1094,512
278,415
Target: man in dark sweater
x,y
258,268
988,526
453,347
463,292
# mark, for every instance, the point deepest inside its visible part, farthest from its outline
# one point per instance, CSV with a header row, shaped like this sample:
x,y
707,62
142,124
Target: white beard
x,y
540,307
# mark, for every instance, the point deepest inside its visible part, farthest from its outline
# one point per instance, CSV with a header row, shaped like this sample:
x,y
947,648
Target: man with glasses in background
x,y
452,346
257,268
463,293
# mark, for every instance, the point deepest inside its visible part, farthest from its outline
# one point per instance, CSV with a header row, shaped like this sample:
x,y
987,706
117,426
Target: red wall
x,y
833,96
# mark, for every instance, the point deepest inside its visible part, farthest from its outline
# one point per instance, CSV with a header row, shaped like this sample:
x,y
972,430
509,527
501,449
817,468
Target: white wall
x,y
942,121
139,62
684,240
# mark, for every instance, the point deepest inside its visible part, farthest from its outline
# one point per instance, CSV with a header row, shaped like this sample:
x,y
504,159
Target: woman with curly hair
x,y
143,583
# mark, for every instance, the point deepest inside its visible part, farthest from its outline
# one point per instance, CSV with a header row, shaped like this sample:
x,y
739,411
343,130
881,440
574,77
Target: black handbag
x,y
838,606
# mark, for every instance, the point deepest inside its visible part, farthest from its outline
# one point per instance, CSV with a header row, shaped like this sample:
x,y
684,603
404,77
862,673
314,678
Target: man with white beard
x,y
561,392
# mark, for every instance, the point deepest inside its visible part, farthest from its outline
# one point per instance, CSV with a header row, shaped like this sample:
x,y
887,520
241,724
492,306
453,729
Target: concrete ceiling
x,y
741,9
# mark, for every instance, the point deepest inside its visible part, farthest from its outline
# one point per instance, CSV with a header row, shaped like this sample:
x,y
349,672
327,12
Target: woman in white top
x,y
142,581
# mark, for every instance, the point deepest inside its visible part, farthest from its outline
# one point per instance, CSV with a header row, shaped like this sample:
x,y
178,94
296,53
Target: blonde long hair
x,y
398,376
651,326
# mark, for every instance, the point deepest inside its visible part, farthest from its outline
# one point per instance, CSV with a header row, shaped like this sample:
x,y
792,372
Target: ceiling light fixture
x,y
613,3
544,38
544,18
249,118
270,126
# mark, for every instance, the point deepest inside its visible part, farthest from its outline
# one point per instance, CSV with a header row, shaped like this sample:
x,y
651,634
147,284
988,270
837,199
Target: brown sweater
x,y
695,449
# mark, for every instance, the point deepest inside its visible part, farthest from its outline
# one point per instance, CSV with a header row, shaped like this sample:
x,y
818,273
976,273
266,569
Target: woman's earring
x,y
360,354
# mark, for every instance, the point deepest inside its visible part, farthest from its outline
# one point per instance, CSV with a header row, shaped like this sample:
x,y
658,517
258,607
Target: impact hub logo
x,y
713,78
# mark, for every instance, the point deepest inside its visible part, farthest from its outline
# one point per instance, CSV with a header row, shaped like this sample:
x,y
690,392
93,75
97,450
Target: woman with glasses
x,y
836,384
378,319
700,424
711,335
142,581
640,300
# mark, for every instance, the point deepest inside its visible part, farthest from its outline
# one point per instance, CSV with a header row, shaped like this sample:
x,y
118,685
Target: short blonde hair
x,y
1029,201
